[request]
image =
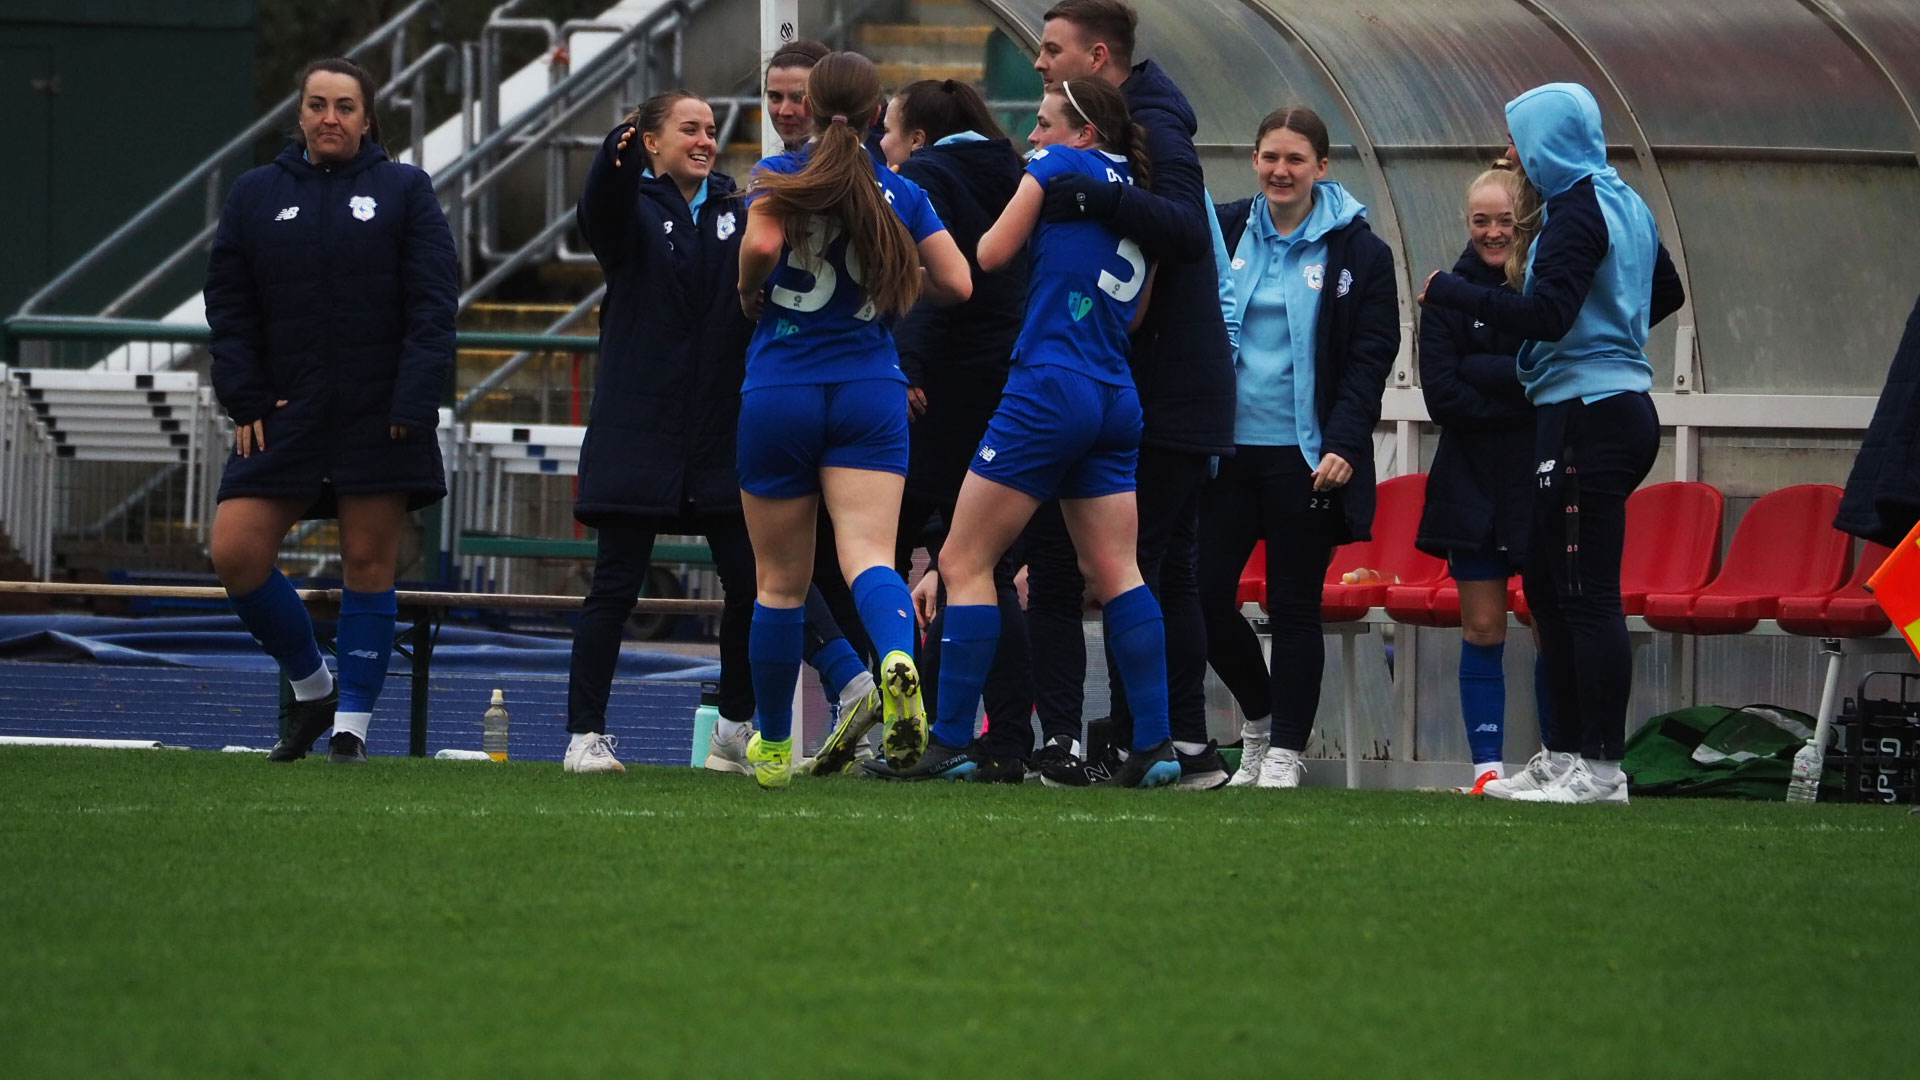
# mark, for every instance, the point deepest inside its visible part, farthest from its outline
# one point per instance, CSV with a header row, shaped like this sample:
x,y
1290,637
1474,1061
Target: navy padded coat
x,y
1882,500
1356,337
1480,489
662,435
960,355
333,288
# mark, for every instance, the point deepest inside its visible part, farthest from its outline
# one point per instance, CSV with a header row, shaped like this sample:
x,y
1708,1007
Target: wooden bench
x,y
421,611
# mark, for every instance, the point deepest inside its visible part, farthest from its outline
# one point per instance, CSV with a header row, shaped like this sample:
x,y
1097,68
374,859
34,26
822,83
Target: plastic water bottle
x,y
704,718
493,728
1808,764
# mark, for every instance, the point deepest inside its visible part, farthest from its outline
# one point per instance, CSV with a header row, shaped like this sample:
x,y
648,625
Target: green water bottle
x,y
704,718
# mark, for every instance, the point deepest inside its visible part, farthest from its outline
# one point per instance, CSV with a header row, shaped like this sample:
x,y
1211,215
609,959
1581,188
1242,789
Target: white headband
x,y
1066,88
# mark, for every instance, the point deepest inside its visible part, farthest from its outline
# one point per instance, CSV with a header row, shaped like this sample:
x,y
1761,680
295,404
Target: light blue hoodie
x,y
1275,304
1557,130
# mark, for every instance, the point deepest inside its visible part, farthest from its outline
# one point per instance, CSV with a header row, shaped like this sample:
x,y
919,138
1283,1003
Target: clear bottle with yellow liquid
x,y
493,728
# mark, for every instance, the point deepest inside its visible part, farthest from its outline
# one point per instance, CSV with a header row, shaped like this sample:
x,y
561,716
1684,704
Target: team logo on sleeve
x,y
362,207
726,224
1078,304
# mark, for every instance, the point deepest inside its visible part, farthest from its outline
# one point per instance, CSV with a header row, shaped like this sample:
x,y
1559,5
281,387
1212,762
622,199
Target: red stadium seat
x,y
1433,605
1396,520
1672,545
1849,613
1253,577
1785,546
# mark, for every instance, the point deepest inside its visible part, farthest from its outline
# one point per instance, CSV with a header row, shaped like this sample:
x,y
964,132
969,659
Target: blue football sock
x,y
886,609
837,664
364,643
1542,698
774,645
1483,700
277,619
966,654
1137,634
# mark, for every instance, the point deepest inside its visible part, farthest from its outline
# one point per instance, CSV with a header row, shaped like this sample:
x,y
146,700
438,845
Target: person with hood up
x,y
331,290
1182,366
1598,279
1314,311
1480,487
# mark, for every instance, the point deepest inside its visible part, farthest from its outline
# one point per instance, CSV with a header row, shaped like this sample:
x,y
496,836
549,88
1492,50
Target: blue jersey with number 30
x,y
1086,280
818,326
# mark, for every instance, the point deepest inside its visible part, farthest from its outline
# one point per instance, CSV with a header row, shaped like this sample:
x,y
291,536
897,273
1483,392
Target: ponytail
x,y
838,184
1098,103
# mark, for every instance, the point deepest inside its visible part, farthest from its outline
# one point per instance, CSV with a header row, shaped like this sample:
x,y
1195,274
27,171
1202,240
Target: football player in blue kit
x,y
1068,427
835,247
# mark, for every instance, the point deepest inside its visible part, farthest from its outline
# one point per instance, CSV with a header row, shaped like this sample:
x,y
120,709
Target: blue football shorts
x,y
789,433
1060,434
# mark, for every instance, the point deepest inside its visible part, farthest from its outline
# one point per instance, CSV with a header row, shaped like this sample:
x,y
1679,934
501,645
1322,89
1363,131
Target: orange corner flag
x,y
1896,588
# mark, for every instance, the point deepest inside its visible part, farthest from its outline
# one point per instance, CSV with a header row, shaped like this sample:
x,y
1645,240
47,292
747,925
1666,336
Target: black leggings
x,y
626,555
1266,493
1591,457
1168,485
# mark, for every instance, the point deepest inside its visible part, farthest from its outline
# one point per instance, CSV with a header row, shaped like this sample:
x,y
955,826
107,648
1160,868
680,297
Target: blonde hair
x,y
1526,217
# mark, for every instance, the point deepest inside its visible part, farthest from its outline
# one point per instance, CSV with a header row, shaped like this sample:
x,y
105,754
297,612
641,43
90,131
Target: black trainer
x,y
306,722
939,762
1203,771
995,768
1147,768
1075,772
1055,752
346,748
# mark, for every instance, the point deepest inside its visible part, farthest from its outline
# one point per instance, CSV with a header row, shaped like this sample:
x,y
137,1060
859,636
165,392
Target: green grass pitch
x,y
174,914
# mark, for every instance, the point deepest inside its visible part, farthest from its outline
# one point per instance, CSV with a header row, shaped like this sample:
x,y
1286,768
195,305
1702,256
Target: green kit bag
x,y
1716,752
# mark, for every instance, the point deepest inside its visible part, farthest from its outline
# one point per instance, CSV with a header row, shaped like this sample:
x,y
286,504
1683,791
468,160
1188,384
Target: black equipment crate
x,y
1877,744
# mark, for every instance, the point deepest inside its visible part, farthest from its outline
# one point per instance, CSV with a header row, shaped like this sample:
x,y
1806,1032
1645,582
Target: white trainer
x,y
1281,769
730,755
1578,784
591,752
1253,750
1542,769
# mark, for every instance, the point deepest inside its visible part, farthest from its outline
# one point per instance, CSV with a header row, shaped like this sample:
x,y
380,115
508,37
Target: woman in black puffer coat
x,y
1480,489
659,450
331,292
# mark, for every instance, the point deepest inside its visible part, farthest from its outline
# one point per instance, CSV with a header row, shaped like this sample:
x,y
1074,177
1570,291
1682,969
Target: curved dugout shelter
x,y
1775,141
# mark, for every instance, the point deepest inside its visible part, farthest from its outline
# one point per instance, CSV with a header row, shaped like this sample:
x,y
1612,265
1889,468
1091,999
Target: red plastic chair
x,y
1672,545
1849,613
1253,578
1396,520
1785,546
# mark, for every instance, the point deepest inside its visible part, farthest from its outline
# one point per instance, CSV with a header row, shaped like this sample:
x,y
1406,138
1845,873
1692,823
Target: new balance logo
x,y
364,654
987,453
1486,728
288,214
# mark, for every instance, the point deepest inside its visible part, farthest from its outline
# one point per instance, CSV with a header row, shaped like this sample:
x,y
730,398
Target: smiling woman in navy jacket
x,y
659,449
1479,490
1597,280
1315,318
331,291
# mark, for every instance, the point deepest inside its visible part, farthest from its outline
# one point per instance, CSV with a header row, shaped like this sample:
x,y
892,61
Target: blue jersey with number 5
x,y
818,326
1086,280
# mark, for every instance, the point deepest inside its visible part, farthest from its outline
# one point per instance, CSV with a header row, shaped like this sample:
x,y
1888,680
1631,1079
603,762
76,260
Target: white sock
x,y
1262,729
1606,771
1190,748
313,687
731,730
1497,768
581,737
857,687
352,723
